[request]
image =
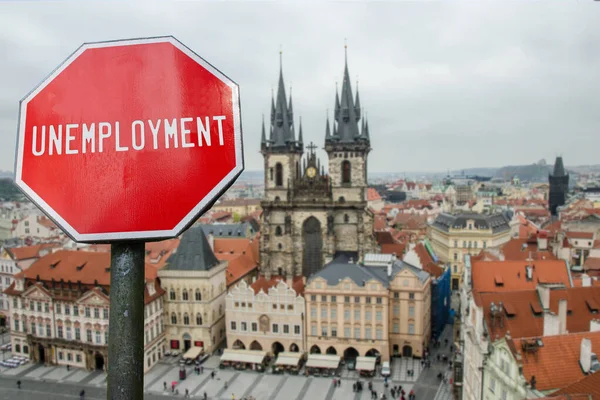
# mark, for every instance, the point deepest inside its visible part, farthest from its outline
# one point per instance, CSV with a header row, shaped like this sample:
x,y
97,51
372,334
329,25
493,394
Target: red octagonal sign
x,y
129,139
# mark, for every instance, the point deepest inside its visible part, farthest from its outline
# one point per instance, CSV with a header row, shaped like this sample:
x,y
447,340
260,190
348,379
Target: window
x,y
411,311
33,328
334,299
198,319
39,306
323,313
48,331
367,333
87,312
243,326
396,295
254,327
504,395
78,358
105,313
296,329
346,171
313,297
76,310
346,299
411,329
378,334
333,331
368,300
278,231
286,329
378,315
492,385
313,330
275,328
356,315
396,327
346,332
60,355
198,296
368,315
58,308
96,313
456,269
173,319
455,256
77,334
475,244
484,244
313,312
98,337
69,333
323,298
233,326
67,309
379,300
324,330
88,335
456,243
15,303
333,313
346,218
464,244
184,295
186,319
60,332
278,174
40,329
271,173
172,295
396,310
411,296
347,314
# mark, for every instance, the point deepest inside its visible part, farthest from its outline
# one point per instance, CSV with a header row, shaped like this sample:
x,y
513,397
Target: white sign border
x,y
139,235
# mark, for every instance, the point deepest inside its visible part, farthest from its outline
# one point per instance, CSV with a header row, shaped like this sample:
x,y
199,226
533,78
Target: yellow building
x,y
195,283
239,207
380,307
454,236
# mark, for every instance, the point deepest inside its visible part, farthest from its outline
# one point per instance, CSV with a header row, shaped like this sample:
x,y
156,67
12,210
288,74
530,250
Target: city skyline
x,y
449,86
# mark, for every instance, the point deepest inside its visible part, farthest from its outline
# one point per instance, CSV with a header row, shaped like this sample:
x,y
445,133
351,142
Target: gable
x,y
93,298
35,292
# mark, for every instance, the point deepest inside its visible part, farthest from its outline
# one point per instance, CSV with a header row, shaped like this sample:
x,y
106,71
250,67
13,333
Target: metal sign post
x,y
128,141
126,328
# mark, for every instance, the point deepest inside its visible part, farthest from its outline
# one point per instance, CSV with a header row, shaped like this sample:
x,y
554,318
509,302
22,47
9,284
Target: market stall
x,y
289,362
366,365
243,359
322,364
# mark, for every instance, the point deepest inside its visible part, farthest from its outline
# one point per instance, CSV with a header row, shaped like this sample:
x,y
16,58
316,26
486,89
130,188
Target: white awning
x,y
245,356
365,363
193,352
323,361
288,358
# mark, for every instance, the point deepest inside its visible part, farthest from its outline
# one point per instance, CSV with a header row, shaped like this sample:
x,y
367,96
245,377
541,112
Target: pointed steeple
x,y
272,107
290,107
559,168
263,136
366,132
300,139
282,123
336,110
327,130
357,103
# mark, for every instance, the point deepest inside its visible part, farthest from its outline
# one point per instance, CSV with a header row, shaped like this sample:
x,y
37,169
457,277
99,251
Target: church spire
x,y
282,123
300,139
357,103
327,130
263,136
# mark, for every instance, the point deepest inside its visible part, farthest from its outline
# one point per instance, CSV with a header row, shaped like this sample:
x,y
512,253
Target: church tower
x,y
281,152
559,187
347,145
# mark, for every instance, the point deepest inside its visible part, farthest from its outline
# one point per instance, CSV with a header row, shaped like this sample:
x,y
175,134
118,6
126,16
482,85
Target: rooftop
x,y
496,222
193,254
263,284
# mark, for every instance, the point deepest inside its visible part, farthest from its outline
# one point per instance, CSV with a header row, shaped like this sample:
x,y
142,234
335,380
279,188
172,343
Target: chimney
x,y
389,269
544,294
529,272
585,356
542,241
595,325
562,316
551,324
586,280
211,241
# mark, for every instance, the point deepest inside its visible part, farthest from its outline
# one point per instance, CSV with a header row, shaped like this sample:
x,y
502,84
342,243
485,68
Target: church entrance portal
x,y
312,259
99,361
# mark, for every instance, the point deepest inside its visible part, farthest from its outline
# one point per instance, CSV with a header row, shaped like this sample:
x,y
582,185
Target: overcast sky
x,y
445,85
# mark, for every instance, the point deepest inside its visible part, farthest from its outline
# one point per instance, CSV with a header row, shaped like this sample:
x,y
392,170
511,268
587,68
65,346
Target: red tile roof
x,y
372,195
393,248
555,365
157,253
263,284
380,223
580,235
427,262
580,390
522,249
29,252
592,263
514,274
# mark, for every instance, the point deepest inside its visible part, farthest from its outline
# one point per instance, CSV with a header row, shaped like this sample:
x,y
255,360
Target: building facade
x,y
195,284
454,236
381,307
559,187
59,308
308,216
267,315
8,269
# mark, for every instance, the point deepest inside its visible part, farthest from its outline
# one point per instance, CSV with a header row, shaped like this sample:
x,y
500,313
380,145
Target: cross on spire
x,y
311,147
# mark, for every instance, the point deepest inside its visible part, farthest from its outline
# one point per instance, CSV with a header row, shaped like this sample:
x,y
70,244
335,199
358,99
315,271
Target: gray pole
x,y
126,327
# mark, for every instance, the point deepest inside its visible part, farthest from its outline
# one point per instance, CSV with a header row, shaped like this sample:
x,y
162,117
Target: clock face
x,y
311,172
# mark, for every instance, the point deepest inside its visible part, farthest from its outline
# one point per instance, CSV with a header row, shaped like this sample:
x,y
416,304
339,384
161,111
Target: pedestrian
x,y
172,387
82,395
19,384
339,383
187,394
212,375
354,387
232,396
68,367
165,386
393,393
201,369
205,396
446,342
438,357
225,384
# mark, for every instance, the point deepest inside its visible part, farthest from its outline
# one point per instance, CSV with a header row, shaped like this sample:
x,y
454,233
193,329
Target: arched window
x,y
345,171
172,294
346,218
270,174
220,310
198,319
186,319
173,319
184,295
198,295
342,199
280,246
278,174
278,231
297,170
277,199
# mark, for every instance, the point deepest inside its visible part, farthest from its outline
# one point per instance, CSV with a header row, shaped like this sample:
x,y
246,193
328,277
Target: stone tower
x,y
559,187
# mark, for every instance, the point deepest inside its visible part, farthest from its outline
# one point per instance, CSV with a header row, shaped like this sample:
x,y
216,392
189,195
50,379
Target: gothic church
x,y
310,217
